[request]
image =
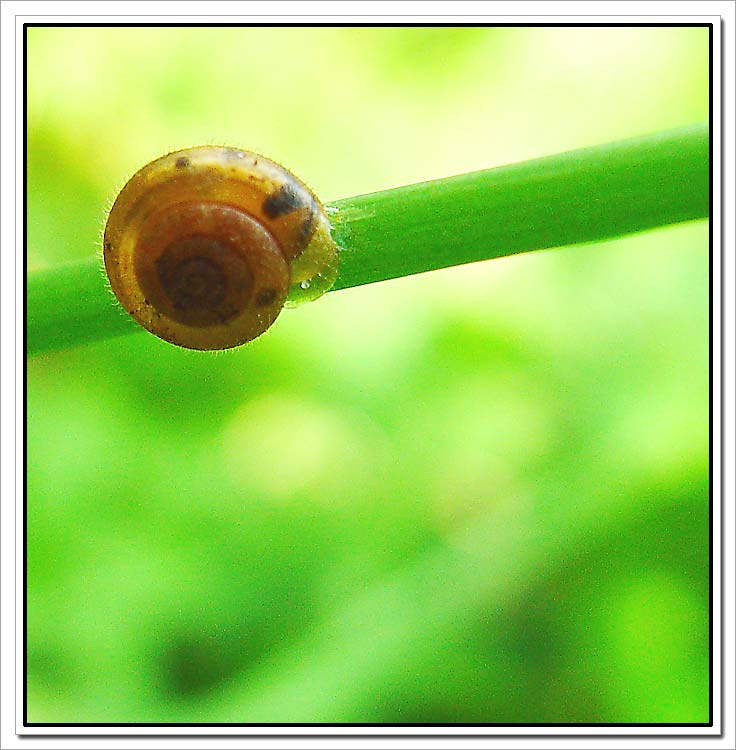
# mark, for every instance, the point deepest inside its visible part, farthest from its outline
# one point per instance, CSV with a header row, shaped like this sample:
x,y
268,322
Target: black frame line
x,y
704,725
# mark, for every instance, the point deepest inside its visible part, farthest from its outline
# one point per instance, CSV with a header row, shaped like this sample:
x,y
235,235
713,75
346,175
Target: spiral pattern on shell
x,y
199,245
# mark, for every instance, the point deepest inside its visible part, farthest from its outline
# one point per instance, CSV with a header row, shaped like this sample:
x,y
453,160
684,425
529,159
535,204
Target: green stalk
x,y
580,196
72,304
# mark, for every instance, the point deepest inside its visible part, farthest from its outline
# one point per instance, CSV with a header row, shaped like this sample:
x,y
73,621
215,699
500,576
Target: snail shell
x,y
202,246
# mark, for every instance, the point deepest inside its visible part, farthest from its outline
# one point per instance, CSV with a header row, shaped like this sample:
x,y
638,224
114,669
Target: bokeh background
x,y
474,495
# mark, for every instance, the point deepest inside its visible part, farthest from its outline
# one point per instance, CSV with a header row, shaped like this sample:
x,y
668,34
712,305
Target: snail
x,y
204,246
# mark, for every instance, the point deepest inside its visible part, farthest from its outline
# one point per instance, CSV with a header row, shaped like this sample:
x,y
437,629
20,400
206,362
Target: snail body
x,y
203,246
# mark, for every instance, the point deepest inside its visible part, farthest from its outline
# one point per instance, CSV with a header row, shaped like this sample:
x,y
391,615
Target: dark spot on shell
x,y
308,227
285,200
266,297
108,246
182,162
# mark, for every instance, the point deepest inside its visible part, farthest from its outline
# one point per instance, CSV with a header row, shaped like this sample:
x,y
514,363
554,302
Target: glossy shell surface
x,y
199,245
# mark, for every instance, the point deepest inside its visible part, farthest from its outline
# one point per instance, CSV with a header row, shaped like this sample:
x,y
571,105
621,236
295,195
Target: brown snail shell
x,y
199,245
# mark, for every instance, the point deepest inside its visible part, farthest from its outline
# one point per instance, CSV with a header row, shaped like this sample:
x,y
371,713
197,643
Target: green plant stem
x,y
576,197
72,304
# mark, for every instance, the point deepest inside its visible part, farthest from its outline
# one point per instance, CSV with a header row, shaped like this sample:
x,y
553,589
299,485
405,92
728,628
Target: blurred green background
x,y
475,495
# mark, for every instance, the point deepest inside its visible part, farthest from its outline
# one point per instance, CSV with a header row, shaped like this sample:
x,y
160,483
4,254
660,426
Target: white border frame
x,y
15,13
